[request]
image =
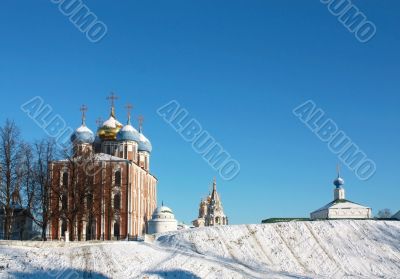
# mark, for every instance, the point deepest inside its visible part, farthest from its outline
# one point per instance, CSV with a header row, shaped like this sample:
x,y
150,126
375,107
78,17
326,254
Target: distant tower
x,y
215,212
211,212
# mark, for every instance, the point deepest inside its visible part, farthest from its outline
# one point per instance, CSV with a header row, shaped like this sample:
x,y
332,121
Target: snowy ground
x,y
326,249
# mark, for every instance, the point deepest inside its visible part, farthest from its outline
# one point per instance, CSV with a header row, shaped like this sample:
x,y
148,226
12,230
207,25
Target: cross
x,y
83,109
99,121
141,119
129,108
338,169
112,98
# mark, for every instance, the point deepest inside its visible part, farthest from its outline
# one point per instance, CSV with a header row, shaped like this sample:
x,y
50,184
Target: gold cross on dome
x,y
129,108
141,119
83,109
112,98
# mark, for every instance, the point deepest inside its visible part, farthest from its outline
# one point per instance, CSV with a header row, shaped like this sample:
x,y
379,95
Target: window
x,y
117,201
116,229
89,201
65,179
118,178
63,227
64,202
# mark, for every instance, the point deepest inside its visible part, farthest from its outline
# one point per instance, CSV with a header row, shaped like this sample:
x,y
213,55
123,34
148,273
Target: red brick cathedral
x,y
104,189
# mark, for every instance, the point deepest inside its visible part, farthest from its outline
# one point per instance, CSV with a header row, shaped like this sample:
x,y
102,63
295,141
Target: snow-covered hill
x,y
324,249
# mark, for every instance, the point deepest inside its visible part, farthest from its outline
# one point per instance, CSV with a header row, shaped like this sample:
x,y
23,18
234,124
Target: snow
x,y
319,249
129,128
112,123
107,157
83,129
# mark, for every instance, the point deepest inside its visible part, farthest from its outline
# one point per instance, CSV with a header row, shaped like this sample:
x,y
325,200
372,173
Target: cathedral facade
x,y
104,189
211,212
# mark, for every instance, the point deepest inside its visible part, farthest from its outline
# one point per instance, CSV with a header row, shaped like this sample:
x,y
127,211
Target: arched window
x,y
116,229
65,179
117,201
118,178
63,227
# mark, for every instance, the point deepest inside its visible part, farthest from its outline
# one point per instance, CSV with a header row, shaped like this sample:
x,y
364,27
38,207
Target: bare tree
x,y
77,195
28,187
45,153
384,213
11,174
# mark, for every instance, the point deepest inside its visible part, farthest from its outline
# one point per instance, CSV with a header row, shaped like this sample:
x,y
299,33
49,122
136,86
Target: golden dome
x,y
110,128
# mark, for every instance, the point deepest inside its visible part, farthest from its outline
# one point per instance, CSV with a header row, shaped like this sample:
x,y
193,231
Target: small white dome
x,y
163,212
163,220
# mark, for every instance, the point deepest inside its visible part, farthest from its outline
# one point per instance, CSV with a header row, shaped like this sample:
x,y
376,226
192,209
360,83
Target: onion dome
x,y
338,182
110,128
144,144
83,134
128,132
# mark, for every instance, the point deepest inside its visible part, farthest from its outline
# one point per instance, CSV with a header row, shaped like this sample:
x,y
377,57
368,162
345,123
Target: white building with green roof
x,y
340,208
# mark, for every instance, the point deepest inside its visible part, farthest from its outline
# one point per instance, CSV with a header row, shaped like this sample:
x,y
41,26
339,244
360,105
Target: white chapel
x,y
340,207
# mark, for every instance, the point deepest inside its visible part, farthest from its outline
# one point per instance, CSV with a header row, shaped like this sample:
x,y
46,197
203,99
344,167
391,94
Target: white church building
x,y
340,208
162,220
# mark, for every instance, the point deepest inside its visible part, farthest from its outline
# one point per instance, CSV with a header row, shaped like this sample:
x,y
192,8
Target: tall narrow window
x,y
64,198
64,202
117,201
116,229
63,227
118,178
65,179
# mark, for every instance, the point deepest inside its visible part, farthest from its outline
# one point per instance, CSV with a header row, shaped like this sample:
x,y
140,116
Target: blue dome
x,y
82,135
338,182
144,144
128,133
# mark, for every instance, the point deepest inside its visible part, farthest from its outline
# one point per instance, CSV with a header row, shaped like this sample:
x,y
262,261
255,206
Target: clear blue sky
x,y
239,68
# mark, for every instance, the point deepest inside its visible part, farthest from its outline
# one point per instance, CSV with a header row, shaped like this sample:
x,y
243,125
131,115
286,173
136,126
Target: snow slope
x,y
323,249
